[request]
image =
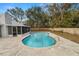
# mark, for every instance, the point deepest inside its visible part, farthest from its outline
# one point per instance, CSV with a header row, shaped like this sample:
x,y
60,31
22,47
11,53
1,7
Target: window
x,y
9,30
19,30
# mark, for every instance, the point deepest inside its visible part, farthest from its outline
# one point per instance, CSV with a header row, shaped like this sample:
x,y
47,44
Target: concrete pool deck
x,y
13,46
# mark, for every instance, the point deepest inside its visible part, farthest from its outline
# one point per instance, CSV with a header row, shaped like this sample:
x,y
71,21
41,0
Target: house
x,y
10,27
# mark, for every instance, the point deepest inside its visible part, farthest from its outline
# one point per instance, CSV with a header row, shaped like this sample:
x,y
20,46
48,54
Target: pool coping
x,y
56,37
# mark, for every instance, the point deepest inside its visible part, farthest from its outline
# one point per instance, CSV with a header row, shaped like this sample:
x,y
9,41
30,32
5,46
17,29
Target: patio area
x,y
13,46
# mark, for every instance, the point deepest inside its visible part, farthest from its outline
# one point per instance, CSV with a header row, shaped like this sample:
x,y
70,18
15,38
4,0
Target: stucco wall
x,y
2,19
4,30
0,31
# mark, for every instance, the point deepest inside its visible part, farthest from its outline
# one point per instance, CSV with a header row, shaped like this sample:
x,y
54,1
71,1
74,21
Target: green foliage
x,y
38,16
16,13
53,15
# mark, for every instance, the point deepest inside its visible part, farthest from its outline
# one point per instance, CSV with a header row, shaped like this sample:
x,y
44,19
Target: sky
x,y
24,6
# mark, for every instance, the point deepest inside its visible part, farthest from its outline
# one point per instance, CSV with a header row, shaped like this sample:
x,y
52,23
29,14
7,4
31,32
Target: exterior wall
x,y
3,26
5,21
4,30
0,32
2,19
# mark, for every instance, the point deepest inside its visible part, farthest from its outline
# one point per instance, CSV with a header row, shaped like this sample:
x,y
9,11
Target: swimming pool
x,y
39,40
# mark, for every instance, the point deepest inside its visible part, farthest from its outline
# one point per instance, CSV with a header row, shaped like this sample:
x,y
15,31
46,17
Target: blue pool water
x,y
39,40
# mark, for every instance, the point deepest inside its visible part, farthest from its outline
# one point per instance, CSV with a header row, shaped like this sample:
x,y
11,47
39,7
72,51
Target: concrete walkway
x,y
13,47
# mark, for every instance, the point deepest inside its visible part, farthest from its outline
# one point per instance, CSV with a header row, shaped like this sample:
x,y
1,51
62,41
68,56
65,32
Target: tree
x,y
52,15
60,14
17,14
38,16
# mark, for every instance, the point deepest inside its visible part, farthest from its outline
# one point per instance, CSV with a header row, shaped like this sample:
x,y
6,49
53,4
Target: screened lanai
x,y
15,30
